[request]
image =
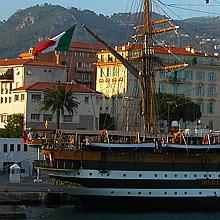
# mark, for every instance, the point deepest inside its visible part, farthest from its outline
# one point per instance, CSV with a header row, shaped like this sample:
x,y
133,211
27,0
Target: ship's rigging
x,y
145,74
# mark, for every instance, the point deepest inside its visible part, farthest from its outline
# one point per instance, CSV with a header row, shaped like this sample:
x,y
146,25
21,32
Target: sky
x,y
177,9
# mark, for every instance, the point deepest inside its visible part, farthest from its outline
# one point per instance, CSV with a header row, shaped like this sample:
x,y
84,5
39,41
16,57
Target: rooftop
x,y
188,50
87,46
15,62
41,86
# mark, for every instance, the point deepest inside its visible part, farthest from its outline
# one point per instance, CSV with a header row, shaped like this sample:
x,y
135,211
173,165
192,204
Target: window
x,y
87,100
25,147
5,149
6,99
10,88
210,107
211,76
175,89
18,147
22,97
12,147
200,76
202,106
211,91
3,118
114,72
35,97
210,124
79,65
188,90
108,72
16,98
101,72
67,118
2,100
9,100
188,75
35,117
48,117
200,91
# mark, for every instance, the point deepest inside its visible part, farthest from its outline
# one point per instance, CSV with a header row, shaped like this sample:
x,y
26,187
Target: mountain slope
x,y
27,28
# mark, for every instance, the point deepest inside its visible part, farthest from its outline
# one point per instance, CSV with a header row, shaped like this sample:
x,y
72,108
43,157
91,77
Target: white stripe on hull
x,y
142,175
194,147
145,193
121,145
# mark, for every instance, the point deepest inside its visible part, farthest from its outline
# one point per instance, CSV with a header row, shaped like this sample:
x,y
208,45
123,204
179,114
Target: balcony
x,y
8,76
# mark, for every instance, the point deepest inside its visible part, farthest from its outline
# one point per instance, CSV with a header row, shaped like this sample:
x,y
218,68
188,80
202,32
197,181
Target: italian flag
x,y
61,42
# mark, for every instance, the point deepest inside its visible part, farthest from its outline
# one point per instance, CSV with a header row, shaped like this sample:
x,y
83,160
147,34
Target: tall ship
x,y
146,166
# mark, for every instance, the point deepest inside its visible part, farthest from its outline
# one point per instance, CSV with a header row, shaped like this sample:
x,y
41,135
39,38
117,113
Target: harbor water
x,y
100,213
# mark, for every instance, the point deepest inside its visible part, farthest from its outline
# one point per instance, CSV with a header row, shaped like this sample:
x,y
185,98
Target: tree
x,y
177,108
57,99
14,126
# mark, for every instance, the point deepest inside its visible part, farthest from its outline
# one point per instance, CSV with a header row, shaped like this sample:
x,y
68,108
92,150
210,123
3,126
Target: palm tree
x,y
57,99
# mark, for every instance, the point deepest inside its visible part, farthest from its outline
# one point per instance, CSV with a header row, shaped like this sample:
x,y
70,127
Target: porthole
x,y
185,175
185,193
149,193
219,175
107,174
165,175
195,175
175,175
200,193
210,175
155,175
112,192
175,193
124,175
78,173
129,193
204,175
215,193
165,193
140,175
139,193
90,174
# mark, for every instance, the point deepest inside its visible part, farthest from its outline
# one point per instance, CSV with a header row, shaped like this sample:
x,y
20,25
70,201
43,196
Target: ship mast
x,y
147,75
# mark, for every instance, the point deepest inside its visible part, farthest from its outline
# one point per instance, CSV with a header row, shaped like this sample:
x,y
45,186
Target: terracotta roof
x,y
41,86
190,51
87,46
14,62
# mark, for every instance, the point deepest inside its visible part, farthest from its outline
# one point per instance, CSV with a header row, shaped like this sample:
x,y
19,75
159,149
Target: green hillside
x,y
27,28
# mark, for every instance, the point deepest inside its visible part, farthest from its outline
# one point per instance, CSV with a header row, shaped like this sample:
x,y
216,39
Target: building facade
x,y
27,100
16,73
14,150
199,81
79,62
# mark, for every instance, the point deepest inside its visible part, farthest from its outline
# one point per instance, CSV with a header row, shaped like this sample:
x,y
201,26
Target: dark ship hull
x,y
137,173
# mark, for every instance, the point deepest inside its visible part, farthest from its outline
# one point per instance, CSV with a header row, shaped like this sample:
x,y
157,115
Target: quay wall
x,y
36,198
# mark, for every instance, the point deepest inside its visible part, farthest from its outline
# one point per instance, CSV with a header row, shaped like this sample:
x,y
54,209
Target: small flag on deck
x,y
61,42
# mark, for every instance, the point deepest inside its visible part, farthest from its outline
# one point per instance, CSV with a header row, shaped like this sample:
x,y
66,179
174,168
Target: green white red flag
x,y
61,42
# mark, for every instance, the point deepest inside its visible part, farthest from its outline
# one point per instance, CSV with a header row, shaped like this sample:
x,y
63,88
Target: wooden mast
x,y
148,83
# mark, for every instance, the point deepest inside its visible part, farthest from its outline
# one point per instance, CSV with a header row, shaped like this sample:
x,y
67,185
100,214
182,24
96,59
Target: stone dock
x,y
28,191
